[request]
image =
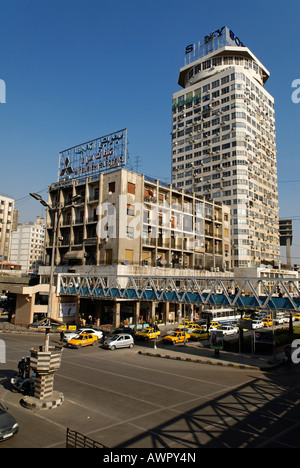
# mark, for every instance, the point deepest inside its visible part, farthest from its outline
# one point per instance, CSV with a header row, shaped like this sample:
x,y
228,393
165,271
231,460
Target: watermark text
x,y
2,92
2,352
296,93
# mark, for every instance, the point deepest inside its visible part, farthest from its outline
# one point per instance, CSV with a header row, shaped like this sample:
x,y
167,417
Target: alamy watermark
x,y
295,352
2,92
150,221
296,93
2,352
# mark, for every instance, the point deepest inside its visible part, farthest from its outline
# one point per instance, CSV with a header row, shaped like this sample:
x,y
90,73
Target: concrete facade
x,y
125,218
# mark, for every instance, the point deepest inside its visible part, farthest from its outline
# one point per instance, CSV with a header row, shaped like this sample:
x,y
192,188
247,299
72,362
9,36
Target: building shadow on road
x,y
262,413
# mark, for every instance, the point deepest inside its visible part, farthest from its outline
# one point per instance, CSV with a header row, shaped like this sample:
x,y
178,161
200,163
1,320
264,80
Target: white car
x,y
257,324
228,329
69,335
279,320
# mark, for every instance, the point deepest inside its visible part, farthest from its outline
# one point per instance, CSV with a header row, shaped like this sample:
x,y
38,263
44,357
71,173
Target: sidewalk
x,y
195,352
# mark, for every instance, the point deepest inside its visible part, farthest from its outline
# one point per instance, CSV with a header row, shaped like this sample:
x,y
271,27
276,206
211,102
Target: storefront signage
x,y
67,309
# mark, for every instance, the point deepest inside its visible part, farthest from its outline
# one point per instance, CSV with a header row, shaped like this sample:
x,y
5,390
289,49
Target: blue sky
x,y
79,69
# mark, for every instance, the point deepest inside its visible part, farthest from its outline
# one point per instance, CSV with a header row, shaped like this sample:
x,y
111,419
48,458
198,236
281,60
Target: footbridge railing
x,y
260,293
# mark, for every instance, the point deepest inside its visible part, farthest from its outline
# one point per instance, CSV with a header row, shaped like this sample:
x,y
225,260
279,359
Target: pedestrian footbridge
x,y
254,293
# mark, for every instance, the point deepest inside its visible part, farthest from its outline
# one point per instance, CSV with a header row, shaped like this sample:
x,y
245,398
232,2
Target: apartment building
x,y
7,216
223,142
27,245
124,218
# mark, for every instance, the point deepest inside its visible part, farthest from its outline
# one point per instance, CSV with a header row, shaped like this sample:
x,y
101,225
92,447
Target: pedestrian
x,y
62,335
27,367
21,367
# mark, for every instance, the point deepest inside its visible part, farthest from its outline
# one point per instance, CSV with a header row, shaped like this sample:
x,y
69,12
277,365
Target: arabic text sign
x,y
102,154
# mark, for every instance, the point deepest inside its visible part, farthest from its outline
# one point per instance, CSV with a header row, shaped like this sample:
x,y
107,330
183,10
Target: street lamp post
x,y
58,209
45,362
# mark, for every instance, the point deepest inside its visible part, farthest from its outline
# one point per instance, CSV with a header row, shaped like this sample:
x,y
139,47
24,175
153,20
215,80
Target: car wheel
x,y
112,348
131,346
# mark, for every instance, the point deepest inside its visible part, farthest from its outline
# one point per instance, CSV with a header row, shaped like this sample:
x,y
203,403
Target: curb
x,y
47,403
205,361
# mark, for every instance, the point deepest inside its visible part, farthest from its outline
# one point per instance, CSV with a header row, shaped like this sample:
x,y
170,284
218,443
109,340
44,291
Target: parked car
x,y
278,320
257,324
121,340
176,337
147,334
198,335
287,317
187,330
228,329
214,324
82,340
124,329
69,335
8,425
188,323
267,322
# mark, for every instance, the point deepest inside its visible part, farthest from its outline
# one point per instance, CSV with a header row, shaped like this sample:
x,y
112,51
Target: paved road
x,y
123,399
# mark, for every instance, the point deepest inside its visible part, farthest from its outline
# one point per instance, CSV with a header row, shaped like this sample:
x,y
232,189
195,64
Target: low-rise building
x,y
124,218
7,217
27,245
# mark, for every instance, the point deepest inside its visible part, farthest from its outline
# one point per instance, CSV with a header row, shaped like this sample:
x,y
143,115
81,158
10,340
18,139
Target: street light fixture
x,y
57,209
36,196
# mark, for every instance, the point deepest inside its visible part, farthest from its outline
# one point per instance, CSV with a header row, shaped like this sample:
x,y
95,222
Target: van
x,y
120,340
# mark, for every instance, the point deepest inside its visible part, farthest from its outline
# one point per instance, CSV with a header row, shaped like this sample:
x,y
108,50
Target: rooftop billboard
x,y
95,156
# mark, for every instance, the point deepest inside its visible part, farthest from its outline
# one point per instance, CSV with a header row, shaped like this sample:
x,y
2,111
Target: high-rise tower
x,y
223,142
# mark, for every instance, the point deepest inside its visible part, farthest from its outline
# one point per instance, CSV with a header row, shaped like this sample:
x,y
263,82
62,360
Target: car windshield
x,y
113,337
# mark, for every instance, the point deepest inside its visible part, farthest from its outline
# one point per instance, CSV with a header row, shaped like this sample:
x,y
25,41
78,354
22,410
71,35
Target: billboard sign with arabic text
x,y
95,156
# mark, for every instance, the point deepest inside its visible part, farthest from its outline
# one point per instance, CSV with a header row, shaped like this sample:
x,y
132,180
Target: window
x,y
112,187
108,257
128,257
206,64
225,79
130,210
131,188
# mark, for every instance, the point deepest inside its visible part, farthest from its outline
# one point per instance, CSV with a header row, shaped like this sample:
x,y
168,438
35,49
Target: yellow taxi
x,y
188,323
84,339
267,322
147,334
176,337
198,334
202,327
214,324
